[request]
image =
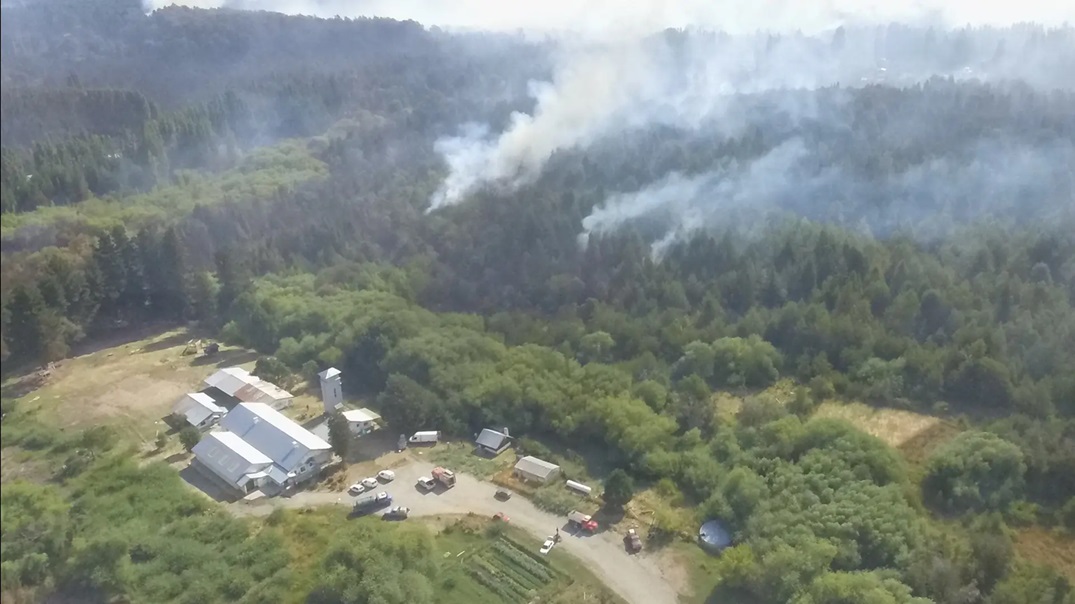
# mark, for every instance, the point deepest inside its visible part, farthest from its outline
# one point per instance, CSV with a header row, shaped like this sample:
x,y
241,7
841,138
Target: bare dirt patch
x,y
894,426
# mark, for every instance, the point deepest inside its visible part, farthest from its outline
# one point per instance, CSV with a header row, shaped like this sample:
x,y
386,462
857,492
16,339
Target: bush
x,y
1067,515
190,436
975,471
555,499
529,446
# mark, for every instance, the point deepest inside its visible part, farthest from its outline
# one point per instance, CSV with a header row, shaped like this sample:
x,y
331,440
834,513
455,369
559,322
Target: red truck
x,y
583,521
444,476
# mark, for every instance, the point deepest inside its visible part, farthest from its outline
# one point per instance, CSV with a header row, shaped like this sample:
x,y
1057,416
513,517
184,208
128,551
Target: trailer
x,y
444,476
372,502
427,437
582,521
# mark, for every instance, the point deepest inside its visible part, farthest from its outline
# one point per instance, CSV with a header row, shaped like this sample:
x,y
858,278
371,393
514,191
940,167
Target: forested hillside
x,y
908,243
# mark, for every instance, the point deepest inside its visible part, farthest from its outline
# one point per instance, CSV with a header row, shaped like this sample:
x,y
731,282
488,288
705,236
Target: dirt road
x,y
637,578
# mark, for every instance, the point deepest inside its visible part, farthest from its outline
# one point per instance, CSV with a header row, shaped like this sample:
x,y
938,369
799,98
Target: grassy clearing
x,y
1047,547
460,457
894,426
131,385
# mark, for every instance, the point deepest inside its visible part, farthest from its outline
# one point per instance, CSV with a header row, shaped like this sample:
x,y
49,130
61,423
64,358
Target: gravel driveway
x,y
637,578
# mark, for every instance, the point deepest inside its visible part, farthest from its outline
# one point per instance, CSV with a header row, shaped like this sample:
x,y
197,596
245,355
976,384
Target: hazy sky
x,y
603,16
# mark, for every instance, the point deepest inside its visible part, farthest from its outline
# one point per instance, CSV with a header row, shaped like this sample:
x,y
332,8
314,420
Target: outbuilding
x,y
244,387
493,442
361,421
199,410
536,470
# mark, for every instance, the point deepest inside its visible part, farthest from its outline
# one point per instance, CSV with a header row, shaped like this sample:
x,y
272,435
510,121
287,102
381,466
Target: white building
x,y
536,470
331,389
199,409
233,460
294,450
245,387
361,421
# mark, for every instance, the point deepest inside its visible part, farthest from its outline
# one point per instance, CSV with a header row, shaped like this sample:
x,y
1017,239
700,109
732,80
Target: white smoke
x,y
615,17
996,179
614,73
685,80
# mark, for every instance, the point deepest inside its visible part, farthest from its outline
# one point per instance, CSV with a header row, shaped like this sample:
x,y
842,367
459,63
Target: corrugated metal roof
x,y
272,433
361,415
536,467
198,414
196,400
229,456
229,380
491,439
240,383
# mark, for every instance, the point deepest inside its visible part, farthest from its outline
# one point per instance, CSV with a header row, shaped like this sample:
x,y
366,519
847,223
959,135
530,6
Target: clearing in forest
x,y
894,426
133,384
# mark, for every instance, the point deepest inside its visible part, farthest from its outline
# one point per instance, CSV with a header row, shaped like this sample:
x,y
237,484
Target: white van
x,y
428,437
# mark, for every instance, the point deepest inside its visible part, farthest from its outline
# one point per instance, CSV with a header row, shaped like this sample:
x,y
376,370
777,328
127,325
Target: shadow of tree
x,y
173,340
226,358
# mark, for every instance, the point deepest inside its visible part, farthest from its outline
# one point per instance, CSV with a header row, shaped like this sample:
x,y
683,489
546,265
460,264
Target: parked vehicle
x,y
428,437
503,494
583,521
356,489
501,517
634,542
547,546
386,475
397,513
370,483
444,476
427,483
373,502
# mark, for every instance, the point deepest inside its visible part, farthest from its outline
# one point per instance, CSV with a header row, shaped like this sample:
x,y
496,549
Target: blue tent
x,y
714,536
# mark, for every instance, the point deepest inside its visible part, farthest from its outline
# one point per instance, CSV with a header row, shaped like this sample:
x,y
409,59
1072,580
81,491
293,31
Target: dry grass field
x,y
131,385
1047,547
898,428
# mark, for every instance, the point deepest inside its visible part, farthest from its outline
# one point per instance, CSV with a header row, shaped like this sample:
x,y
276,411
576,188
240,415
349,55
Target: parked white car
x,y
427,483
356,489
370,483
386,475
547,546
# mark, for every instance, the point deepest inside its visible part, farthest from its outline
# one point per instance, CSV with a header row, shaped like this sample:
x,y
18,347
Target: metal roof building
x,y
361,415
248,388
493,442
288,444
232,459
532,468
199,409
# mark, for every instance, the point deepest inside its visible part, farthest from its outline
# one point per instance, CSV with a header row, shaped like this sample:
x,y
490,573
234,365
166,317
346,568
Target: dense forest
x,y
906,244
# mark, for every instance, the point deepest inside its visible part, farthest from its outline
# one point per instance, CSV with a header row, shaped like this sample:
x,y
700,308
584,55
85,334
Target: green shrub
x,y
555,499
190,436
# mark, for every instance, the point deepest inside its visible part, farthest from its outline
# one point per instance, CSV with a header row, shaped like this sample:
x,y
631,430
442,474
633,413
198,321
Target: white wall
x,y
332,393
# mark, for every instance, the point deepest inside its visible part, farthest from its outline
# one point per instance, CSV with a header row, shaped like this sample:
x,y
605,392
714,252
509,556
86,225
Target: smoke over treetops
x,y
686,80
617,72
